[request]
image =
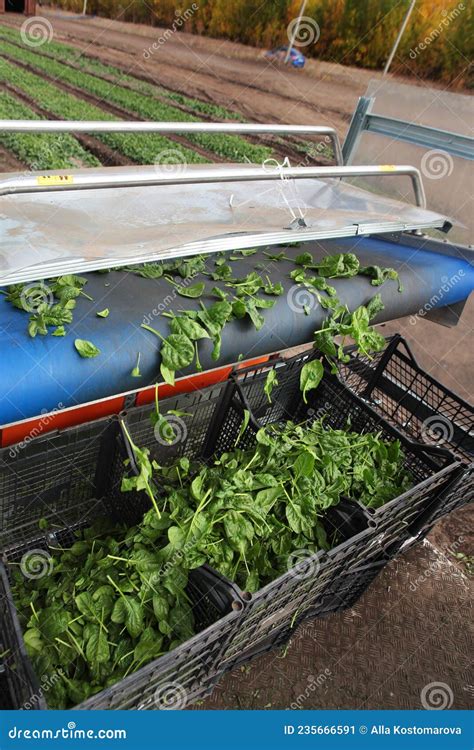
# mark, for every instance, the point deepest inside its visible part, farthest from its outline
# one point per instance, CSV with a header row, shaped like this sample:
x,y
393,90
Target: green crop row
x,y
227,146
40,151
66,53
144,149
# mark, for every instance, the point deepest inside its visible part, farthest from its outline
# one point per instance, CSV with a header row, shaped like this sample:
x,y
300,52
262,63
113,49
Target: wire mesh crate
x,y
68,480
421,407
334,580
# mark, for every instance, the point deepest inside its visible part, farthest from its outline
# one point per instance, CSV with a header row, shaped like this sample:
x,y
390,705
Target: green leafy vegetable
x,y
86,349
310,378
270,382
136,370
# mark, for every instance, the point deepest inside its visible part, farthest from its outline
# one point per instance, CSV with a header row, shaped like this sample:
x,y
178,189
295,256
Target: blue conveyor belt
x,y
44,373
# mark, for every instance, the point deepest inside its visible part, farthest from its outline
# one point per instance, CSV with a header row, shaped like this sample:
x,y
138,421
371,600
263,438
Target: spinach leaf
x,y
270,382
194,291
310,377
86,349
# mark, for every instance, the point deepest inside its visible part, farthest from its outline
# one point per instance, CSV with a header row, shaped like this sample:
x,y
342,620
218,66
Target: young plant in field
x,y
231,147
40,150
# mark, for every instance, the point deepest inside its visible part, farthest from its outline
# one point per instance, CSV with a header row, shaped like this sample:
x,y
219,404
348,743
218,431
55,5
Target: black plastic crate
x,y
398,389
175,680
431,466
216,433
333,580
422,408
18,682
44,479
61,477
72,477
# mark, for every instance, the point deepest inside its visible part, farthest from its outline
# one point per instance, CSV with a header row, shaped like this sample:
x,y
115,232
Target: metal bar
x,y
356,128
400,130
296,28
421,135
125,126
399,36
141,178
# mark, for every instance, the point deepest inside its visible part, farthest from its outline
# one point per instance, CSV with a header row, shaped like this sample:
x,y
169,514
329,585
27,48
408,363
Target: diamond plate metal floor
x,y
407,643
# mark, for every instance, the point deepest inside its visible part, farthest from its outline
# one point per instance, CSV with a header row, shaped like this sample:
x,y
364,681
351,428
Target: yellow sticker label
x,y
55,179
388,167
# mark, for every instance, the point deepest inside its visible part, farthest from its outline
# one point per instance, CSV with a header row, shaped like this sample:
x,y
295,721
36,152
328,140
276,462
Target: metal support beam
x,y
363,120
421,135
356,128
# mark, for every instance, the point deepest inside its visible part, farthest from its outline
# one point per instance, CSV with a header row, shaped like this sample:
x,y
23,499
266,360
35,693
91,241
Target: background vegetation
x,y
353,32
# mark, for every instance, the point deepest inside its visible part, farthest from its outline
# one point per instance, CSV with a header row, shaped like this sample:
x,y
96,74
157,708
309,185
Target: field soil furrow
x,y
9,162
105,155
263,94
291,148
73,58
281,149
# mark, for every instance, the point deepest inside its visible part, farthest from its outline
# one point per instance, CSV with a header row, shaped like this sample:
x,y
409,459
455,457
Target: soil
x,y
9,163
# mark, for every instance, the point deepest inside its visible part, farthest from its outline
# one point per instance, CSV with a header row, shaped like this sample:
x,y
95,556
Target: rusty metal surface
x,y
410,631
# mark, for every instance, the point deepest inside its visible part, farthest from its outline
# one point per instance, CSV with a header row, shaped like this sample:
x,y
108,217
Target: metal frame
x,y
363,120
65,182
217,244
125,126
96,179
81,182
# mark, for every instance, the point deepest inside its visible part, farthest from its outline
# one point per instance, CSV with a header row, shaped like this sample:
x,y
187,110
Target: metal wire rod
x,y
140,177
92,126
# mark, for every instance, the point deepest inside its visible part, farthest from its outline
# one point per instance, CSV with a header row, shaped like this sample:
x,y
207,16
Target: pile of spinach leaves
x,y
249,510
116,599
105,608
